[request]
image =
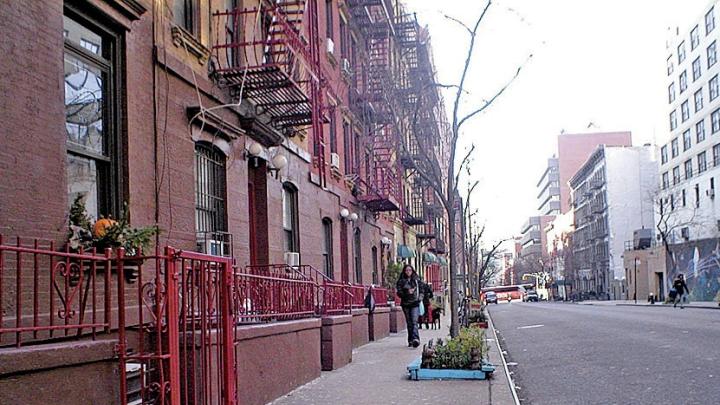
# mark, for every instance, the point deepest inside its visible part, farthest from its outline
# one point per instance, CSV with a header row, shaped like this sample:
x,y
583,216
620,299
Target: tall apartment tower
x,y
549,189
609,203
690,155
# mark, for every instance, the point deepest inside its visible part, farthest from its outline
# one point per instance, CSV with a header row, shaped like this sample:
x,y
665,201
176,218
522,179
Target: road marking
x,y
530,326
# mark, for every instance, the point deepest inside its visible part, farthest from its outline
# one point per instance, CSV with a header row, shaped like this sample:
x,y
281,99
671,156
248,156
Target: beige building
x,y
645,270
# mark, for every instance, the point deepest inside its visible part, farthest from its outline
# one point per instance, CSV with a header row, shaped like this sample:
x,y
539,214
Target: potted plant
x,y
392,273
107,232
462,357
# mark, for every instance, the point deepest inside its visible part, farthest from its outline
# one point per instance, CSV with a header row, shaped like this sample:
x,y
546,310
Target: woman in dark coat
x,y
411,290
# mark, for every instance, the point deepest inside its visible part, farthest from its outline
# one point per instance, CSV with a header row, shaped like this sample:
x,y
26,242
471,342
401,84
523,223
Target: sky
x,y
599,62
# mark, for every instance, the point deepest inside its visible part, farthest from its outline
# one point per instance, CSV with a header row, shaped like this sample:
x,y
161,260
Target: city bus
x,y
514,292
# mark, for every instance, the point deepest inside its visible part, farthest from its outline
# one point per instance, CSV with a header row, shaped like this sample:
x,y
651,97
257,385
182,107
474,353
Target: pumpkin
x,y
102,225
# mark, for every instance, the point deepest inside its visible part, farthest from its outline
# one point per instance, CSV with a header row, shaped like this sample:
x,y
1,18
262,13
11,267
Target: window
x,y
347,148
687,140
343,39
665,180
672,202
716,155
715,121
711,56
664,154
183,14
683,81
710,21
700,131
698,100
328,247
694,37
673,120
671,92
670,68
676,175
685,111
688,169
329,19
684,202
210,198
333,131
674,147
91,117
697,71
702,162
290,217
681,52
358,256
697,201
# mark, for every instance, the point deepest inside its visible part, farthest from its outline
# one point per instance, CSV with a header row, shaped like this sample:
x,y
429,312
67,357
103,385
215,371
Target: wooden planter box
x,y
417,373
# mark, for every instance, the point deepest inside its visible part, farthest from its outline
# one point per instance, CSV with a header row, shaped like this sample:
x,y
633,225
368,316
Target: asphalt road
x,y
582,354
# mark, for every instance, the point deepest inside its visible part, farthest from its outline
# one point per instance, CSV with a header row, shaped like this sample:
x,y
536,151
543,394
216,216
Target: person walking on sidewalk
x,y
680,290
410,288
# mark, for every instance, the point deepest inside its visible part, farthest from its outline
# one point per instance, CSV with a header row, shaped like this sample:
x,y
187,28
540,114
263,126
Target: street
x,y
598,354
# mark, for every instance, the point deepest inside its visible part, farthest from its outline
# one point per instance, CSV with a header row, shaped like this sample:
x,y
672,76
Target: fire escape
x,y
270,55
379,170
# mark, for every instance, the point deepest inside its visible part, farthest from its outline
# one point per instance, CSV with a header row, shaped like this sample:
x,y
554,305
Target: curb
x,y
511,383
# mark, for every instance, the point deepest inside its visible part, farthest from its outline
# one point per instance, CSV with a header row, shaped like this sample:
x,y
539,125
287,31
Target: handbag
x,y
421,309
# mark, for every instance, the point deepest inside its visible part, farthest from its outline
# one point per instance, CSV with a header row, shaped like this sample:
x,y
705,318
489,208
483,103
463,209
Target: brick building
x,y
273,133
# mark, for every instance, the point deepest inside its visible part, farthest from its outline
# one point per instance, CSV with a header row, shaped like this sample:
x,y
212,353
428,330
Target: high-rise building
x,y
549,189
690,154
574,150
609,203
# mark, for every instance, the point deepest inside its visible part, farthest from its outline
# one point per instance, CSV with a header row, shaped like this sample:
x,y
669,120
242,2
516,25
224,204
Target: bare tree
x,y
437,166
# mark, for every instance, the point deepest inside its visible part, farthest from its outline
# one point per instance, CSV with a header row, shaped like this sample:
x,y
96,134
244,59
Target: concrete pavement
x,y
377,375
611,354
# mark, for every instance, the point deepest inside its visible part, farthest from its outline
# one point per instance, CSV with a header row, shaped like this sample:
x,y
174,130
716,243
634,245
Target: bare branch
x,y
462,24
463,162
493,98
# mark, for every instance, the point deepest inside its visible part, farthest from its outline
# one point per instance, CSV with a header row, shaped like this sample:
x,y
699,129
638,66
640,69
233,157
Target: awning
x,y
443,261
428,257
405,252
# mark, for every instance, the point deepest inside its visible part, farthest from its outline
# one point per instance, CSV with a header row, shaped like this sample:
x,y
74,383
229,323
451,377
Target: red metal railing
x,y
258,298
336,298
357,295
46,294
380,295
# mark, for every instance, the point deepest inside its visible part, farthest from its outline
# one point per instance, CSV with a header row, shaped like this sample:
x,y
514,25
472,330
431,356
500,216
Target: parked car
x,y
491,297
531,296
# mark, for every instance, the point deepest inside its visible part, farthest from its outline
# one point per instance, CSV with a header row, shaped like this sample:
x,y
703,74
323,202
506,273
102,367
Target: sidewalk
x,y
694,305
377,375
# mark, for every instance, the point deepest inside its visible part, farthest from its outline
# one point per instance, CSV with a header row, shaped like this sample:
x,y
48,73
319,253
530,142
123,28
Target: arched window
x,y
210,199
328,247
290,217
358,256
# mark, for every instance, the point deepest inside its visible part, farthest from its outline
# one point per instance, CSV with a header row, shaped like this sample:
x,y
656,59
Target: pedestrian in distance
x,y
411,290
681,289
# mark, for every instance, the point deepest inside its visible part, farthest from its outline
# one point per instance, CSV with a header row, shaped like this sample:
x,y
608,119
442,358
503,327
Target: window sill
x,y
185,40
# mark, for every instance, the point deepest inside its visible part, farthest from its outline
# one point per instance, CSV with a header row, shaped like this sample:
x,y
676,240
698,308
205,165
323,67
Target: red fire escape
x,y
270,55
379,170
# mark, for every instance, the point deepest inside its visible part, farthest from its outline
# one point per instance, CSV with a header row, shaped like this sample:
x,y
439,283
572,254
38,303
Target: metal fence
x,y
174,314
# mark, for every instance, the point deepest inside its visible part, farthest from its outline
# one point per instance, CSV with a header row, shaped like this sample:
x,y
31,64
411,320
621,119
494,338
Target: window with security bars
x,y
210,199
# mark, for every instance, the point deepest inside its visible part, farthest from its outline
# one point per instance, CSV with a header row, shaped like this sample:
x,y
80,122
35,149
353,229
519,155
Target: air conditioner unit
x,y
345,66
335,160
215,248
330,46
710,193
292,258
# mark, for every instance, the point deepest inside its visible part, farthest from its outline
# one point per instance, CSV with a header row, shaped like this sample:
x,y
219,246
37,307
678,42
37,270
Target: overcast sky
x,y
593,61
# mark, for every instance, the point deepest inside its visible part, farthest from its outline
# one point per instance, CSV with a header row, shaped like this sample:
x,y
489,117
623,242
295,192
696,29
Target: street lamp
x,y
636,280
